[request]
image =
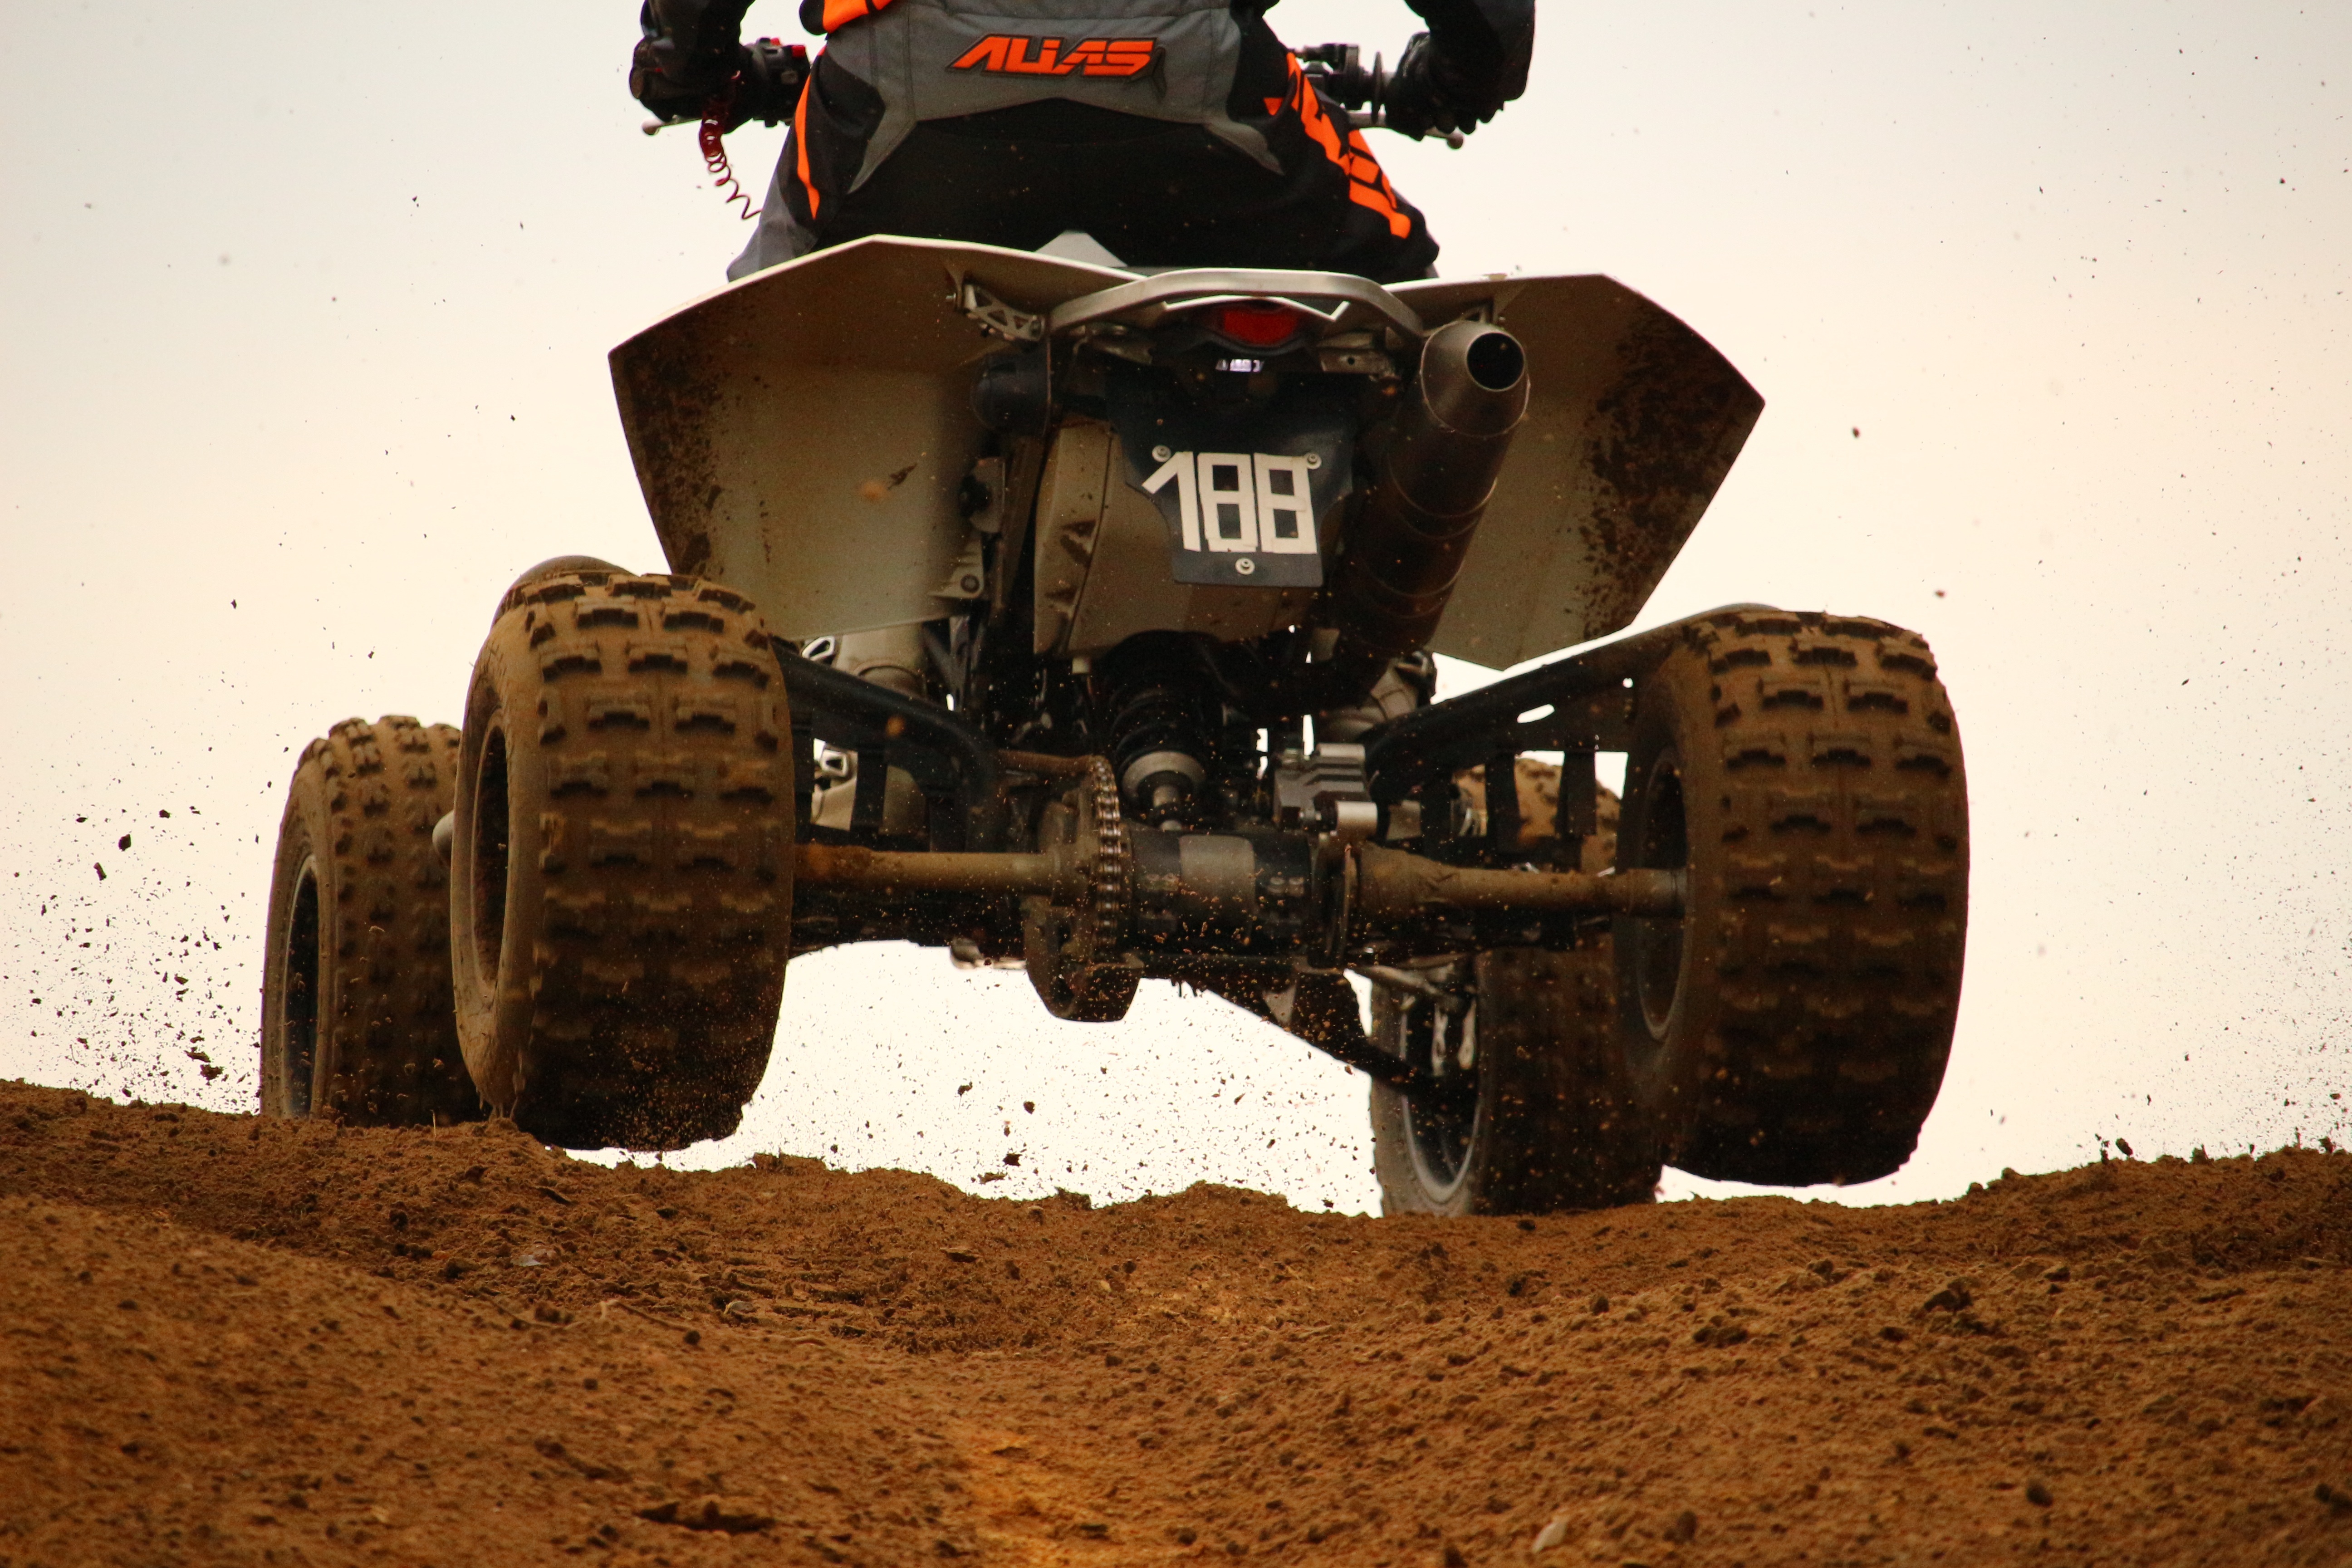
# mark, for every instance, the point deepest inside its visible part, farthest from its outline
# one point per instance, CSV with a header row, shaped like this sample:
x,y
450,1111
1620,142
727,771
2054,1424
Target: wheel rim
x,y
1441,1121
299,1015
487,874
1663,845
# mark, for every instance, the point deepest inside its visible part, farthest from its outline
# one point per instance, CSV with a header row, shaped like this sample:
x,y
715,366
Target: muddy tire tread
x,y
1840,869
1560,1130
362,805
657,820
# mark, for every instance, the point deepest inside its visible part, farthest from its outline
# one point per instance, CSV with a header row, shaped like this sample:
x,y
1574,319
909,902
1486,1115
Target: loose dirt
x,y
224,1339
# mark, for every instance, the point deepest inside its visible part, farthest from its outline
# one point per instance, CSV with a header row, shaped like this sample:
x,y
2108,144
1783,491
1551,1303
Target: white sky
x,y
302,358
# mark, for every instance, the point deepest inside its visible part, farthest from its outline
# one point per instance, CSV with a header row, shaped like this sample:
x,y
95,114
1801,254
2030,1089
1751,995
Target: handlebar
x,y
1339,74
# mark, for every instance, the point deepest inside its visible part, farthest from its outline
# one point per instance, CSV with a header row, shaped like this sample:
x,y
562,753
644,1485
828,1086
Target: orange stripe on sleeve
x,y
1366,196
1368,187
800,141
839,14
1311,115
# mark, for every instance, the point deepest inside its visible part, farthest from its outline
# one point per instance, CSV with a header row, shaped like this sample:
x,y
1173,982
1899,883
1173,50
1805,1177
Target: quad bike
x,y
1081,622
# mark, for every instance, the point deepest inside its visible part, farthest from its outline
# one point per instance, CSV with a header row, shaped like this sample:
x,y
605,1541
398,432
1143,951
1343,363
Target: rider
x,y
1175,132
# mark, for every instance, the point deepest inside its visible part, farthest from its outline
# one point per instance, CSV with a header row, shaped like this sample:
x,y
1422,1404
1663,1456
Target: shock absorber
x,y
1159,722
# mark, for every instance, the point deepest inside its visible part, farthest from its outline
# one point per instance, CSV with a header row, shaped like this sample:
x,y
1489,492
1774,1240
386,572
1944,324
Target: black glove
x,y
1459,74
687,54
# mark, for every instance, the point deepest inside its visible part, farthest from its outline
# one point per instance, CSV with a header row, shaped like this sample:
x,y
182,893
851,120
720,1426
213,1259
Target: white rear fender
x,y
804,435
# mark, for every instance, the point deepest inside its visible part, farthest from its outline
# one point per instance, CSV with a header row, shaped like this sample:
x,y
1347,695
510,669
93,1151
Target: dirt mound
x,y
231,1341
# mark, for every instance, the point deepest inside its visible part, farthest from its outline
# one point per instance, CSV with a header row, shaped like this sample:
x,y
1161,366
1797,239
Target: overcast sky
x,y
301,358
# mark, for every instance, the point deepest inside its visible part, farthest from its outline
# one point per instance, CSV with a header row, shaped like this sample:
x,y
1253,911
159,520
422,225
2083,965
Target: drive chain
x,y
1114,866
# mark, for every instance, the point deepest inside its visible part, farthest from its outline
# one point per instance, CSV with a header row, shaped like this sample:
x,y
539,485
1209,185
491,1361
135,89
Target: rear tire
x,y
621,912
356,1021
1561,1128
1793,1026
1543,1121
1538,783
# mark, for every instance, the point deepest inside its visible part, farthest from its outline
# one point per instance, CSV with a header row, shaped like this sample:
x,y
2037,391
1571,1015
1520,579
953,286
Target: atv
x,y
1081,622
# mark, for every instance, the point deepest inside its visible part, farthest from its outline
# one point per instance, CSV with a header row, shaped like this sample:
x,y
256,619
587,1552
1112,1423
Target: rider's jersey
x,y
1184,125
935,59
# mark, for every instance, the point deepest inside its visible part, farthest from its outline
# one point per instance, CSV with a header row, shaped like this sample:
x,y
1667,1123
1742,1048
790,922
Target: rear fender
x,y
1633,422
803,435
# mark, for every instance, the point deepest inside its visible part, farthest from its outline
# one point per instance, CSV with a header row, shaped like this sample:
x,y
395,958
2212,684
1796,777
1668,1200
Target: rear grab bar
x,y
1144,302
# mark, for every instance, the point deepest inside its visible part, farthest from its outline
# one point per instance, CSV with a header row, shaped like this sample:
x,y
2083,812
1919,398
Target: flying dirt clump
x,y
239,1341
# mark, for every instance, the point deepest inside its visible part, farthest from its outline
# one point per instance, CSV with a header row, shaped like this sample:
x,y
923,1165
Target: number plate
x,y
1246,492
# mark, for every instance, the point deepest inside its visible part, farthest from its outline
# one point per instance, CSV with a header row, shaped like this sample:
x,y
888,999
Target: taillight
x,y
1256,326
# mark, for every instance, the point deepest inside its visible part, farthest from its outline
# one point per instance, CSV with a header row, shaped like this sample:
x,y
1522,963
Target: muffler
x,y
1437,460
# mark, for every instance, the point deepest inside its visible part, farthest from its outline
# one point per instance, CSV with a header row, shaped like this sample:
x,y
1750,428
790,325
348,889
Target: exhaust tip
x,y
1474,379
1495,361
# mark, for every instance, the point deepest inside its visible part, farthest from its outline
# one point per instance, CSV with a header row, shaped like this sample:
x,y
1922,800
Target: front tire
x,y
621,912
1792,1027
356,1022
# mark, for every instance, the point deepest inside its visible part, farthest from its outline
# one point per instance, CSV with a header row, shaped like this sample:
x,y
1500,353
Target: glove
x,y
687,54
1429,93
1459,74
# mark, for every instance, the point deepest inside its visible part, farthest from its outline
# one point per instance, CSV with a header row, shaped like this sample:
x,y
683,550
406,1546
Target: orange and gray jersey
x,y
1174,132
941,59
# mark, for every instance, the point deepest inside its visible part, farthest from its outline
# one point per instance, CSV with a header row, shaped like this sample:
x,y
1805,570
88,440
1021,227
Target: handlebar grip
x,y
769,79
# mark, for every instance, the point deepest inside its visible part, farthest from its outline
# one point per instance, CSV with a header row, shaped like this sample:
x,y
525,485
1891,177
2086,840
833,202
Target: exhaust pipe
x,y
1437,468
